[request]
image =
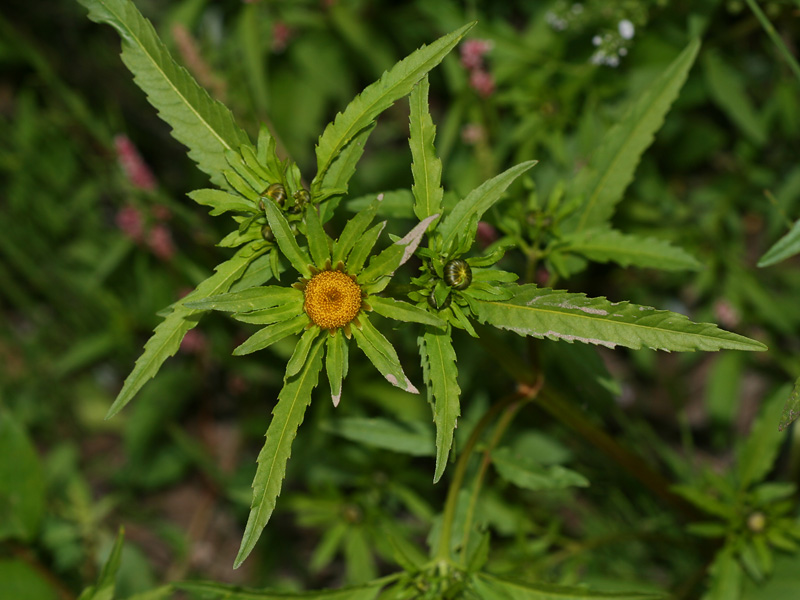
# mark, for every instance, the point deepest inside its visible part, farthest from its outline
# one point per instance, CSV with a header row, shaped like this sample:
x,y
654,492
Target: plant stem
x,y
776,39
443,549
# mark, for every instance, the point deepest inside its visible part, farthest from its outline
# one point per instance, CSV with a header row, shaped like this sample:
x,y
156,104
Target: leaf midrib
x,y
123,23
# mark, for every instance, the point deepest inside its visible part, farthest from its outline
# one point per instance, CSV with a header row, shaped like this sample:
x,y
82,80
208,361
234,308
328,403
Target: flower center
x,y
333,299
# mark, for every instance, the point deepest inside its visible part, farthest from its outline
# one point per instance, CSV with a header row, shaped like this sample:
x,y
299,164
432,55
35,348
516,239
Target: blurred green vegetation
x,y
97,236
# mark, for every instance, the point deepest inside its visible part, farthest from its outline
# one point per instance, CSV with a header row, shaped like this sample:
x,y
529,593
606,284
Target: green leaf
x,y
286,240
602,182
362,251
426,167
403,311
21,482
359,560
221,202
168,335
20,581
395,204
604,245
317,238
300,354
387,262
271,334
220,591
275,314
478,201
559,315
106,583
339,173
336,364
786,247
352,232
791,410
526,473
491,587
204,125
381,354
287,416
761,448
705,501
726,577
439,365
411,437
727,88
251,299
377,97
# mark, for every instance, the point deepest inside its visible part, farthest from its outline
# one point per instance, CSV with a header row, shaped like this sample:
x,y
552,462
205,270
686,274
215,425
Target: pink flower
x,y
132,163
159,240
472,52
482,82
129,221
194,342
486,234
281,34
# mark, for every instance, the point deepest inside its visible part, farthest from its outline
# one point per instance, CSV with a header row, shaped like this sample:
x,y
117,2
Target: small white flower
x,y
626,29
597,40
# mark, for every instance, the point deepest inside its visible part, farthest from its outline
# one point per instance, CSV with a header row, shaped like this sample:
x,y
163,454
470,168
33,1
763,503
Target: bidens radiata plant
x,y
340,281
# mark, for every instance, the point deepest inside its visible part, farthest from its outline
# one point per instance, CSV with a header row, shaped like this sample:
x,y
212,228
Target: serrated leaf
x,y
288,413
791,410
272,315
726,577
22,486
263,338
377,97
204,125
286,241
491,587
388,261
604,245
426,168
477,202
251,299
761,448
301,351
559,315
336,364
441,371
526,473
786,247
381,354
411,438
221,202
403,311
338,175
364,247
603,181
212,590
167,337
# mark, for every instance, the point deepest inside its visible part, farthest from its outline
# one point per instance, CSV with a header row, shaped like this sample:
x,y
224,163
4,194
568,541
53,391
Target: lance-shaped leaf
x,y
602,182
317,238
478,201
604,245
293,399
526,473
491,587
784,248
271,334
377,97
395,255
439,366
403,311
559,315
757,455
412,438
353,231
286,240
204,125
336,364
363,249
221,202
221,591
381,354
168,335
426,167
791,410
252,299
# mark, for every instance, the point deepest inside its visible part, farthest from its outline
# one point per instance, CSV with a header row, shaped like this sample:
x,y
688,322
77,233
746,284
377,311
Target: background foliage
x,y
688,492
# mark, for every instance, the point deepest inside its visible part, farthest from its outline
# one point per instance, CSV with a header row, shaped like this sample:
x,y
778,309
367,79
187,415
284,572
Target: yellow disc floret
x,y
333,299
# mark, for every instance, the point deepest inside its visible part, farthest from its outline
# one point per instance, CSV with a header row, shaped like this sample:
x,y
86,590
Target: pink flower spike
x,y
159,240
472,52
482,82
129,221
132,163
